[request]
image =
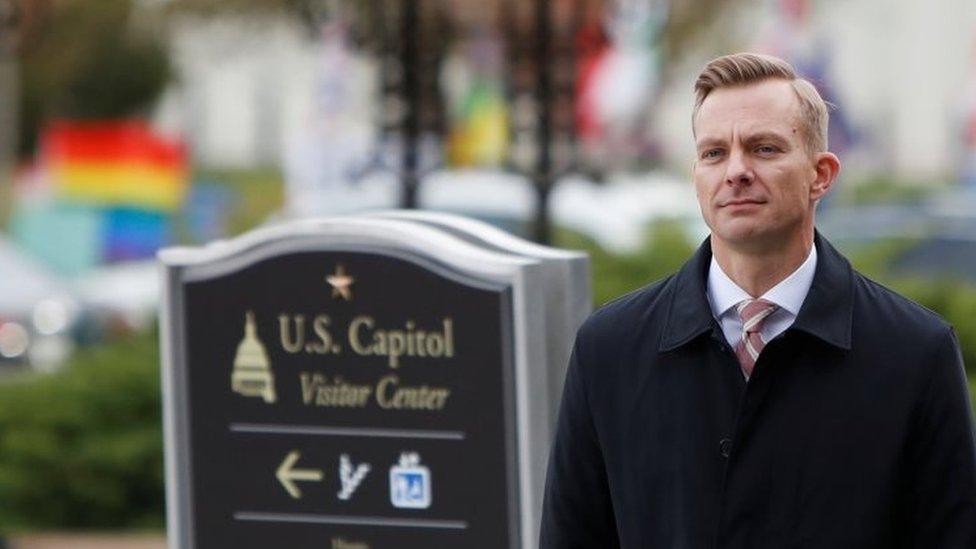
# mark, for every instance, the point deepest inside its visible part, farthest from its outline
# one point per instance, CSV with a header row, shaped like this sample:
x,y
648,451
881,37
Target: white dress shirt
x,y
789,293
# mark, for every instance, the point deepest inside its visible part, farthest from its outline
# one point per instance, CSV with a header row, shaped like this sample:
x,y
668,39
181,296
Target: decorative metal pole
x,y
410,129
543,178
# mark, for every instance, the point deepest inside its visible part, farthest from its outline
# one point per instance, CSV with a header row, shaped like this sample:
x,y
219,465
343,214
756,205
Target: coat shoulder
x,y
894,314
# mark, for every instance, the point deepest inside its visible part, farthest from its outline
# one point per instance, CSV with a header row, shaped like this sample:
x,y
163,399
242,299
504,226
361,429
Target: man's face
x,y
755,181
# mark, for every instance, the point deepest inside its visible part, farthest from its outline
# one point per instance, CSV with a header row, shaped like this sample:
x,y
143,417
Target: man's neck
x,y
756,271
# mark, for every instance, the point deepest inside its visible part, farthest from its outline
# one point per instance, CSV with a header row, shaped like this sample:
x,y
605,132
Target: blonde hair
x,y
740,69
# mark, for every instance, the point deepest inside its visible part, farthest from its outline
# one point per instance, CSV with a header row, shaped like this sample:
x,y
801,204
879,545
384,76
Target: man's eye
x,y
766,149
711,153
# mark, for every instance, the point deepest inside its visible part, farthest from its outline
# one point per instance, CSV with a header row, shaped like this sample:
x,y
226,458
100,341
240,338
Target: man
x,y
766,395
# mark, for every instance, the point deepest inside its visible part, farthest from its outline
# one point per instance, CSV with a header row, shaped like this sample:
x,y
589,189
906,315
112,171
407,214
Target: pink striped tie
x,y
752,312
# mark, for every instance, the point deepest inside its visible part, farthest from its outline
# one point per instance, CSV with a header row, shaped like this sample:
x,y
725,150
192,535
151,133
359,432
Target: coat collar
x,y
826,313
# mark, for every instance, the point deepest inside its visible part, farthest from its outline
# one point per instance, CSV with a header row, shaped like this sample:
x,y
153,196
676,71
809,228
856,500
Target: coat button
x,y
725,447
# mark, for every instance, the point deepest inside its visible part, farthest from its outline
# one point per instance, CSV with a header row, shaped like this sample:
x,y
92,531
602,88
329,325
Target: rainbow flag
x,y
115,164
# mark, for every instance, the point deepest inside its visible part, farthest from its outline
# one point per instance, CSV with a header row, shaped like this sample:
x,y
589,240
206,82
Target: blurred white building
x,y
247,89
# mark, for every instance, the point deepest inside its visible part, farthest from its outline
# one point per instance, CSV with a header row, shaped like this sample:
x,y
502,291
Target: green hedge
x,y
954,300
82,448
667,246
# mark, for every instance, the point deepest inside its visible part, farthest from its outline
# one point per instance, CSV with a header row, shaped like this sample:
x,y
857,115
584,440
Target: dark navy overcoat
x,y
853,432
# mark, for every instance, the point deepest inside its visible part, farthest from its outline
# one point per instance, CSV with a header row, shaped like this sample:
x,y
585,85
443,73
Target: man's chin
x,y
744,236
741,230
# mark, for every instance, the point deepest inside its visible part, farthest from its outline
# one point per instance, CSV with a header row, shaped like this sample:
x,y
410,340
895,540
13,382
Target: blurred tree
x,y
9,88
81,62
17,21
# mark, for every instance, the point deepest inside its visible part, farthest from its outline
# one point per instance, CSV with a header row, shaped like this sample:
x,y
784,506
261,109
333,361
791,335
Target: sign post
x,y
568,298
355,383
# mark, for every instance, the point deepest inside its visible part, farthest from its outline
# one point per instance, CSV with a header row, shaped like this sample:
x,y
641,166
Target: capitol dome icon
x,y
252,374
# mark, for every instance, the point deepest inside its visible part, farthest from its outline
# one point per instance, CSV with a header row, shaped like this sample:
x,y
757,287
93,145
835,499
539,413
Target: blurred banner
x,y
618,68
101,192
114,164
328,151
473,81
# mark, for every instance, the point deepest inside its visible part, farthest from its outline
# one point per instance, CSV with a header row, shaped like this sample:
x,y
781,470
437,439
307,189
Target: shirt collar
x,y
723,292
789,293
826,313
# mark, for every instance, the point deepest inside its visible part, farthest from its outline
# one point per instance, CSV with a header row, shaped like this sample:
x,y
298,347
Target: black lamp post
x,y
542,176
410,134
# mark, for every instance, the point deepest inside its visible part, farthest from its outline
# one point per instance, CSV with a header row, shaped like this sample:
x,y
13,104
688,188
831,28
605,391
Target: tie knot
x,y
753,312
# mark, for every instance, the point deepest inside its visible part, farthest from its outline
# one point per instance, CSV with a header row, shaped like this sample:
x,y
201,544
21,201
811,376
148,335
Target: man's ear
x,y
827,166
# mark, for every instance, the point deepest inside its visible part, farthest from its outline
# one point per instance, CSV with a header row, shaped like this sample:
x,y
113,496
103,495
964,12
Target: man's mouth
x,y
741,202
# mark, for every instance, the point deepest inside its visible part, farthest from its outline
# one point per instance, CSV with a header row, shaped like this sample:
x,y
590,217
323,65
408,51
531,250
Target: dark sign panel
x,y
349,399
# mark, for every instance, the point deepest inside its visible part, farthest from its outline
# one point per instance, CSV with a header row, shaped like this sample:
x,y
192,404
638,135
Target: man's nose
x,y
738,170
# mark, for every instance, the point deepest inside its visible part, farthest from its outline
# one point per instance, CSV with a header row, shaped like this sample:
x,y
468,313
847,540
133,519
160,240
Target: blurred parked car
x,y
37,313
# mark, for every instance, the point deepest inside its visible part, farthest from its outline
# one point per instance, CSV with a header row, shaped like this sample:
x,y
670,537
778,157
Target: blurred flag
x,y
337,141
117,164
101,192
479,136
592,49
619,63
66,238
130,234
477,106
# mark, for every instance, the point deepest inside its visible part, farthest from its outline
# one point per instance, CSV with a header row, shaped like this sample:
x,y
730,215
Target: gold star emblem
x,y
341,283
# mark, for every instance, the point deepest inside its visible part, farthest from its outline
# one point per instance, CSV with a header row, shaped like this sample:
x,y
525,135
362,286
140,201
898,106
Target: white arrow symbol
x,y
287,476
